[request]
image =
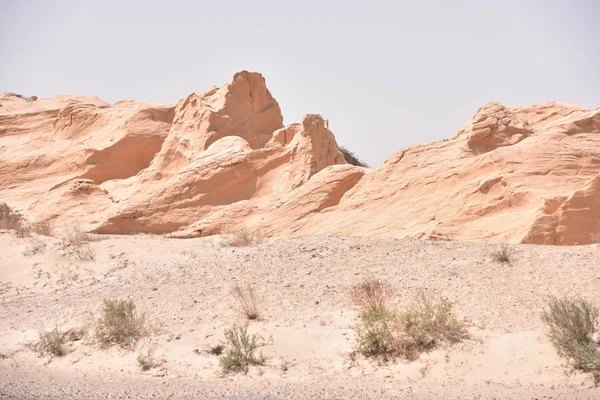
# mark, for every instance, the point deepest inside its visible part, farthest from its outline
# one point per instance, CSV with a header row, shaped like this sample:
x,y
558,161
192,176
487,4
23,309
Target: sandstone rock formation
x,y
221,160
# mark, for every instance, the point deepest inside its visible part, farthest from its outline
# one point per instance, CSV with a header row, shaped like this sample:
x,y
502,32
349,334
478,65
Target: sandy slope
x,y
184,287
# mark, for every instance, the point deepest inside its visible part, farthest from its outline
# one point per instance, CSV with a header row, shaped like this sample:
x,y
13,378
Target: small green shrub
x,y
419,328
426,323
120,324
570,320
572,324
241,348
351,158
375,336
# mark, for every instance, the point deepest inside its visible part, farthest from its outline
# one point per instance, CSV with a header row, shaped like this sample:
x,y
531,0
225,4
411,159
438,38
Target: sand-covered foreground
x,y
307,320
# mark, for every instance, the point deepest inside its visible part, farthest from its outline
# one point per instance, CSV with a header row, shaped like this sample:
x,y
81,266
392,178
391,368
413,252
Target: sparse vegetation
x,y
120,324
371,294
216,350
426,323
10,219
145,358
351,158
242,238
422,326
28,99
51,342
376,335
241,349
75,243
82,252
503,254
572,326
42,228
74,236
247,301
595,233
35,245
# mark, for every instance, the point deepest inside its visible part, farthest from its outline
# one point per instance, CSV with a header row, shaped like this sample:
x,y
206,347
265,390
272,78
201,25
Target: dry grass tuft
x,y
247,301
595,234
82,252
42,228
51,342
74,236
216,350
76,243
572,325
145,358
120,324
371,294
243,238
35,245
241,349
503,255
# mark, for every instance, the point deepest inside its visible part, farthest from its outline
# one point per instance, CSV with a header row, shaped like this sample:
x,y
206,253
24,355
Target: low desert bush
x,y
35,245
572,326
51,342
242,238
376,334
241,350
247,301
503,254
371,294
426,323
420,327
120,324
351,158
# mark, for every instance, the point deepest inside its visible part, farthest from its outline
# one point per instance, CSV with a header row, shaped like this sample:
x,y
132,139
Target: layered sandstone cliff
x,y
221,160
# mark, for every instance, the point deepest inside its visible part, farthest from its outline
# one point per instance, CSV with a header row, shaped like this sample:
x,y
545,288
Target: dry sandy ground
x,y
184,287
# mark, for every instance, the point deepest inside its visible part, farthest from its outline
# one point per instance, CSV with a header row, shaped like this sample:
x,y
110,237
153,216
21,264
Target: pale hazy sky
x,y
387,74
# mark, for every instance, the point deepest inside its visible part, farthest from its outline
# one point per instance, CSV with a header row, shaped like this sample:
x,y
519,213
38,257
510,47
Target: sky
x,y
386,74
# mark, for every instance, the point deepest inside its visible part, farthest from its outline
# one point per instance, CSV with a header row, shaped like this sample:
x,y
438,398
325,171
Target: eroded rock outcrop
x,y
221,160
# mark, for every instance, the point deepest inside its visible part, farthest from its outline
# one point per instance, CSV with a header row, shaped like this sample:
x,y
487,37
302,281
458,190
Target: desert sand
x,y
307,319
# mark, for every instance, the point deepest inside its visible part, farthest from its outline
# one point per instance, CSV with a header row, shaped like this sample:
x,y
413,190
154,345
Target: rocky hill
x,y
221,161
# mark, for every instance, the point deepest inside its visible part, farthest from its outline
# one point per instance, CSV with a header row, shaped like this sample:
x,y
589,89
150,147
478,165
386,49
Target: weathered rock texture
x,y
221,160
